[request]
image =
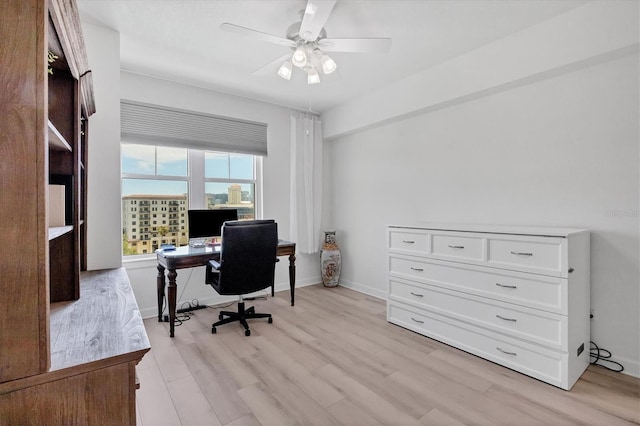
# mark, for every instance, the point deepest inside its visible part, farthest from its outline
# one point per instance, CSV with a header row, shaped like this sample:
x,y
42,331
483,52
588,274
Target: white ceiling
x,y
180,40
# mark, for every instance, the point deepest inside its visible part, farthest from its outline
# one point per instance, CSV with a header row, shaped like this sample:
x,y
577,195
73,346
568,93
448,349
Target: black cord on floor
x,y
600,355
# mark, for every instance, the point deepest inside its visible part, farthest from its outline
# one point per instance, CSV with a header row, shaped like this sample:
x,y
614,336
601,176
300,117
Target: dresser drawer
x,y
408,241
535,291
546,365
543,255
457,246
523,323
408,267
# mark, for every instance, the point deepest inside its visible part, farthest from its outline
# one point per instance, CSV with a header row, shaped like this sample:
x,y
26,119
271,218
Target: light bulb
x,y
328,64
285,70
312,76
299,58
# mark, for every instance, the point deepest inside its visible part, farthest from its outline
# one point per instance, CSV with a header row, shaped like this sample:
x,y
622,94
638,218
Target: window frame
x,y
196,182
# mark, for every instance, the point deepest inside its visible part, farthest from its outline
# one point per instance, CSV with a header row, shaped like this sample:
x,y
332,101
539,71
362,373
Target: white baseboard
x,y
215,299
631,367
380,294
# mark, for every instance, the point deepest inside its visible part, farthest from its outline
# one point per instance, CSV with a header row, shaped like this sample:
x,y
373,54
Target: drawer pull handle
x,y
418,321
507,352
506,286
417,269
408,242
416,294
521,253
455,247
506,319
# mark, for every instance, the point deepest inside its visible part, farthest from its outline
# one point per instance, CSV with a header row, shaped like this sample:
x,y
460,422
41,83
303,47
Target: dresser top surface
x,y
104,323
495,229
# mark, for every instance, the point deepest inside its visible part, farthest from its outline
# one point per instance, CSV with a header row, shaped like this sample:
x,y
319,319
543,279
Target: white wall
x,y
562,151
104,242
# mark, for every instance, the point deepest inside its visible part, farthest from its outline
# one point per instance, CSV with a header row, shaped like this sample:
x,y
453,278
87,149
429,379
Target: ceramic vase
x,y
330,260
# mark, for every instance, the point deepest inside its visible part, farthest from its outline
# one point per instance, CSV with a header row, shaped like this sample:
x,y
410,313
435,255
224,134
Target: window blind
x,y
158,125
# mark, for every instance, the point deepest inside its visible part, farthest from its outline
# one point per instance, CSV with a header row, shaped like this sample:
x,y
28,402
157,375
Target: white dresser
x,y
517,296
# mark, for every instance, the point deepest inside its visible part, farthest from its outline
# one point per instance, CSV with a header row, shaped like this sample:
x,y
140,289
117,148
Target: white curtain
x,y
306,181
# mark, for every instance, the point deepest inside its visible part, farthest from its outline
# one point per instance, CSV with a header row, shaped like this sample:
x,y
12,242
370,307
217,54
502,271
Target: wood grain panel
x,y
100,397
23,254
61,272
104,323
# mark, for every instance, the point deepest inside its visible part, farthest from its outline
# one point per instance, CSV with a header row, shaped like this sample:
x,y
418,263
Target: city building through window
x,y
160,184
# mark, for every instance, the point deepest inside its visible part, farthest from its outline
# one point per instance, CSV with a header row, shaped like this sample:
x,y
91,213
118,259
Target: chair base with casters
x,y
242,316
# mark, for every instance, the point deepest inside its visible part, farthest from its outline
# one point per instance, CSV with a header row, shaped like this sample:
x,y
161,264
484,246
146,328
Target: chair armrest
x,y
215,265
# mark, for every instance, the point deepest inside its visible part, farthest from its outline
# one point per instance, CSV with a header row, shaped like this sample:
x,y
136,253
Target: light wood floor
x,y
333,359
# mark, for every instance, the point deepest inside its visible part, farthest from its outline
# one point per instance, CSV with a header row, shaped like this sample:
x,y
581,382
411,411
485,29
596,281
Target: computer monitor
x,y
208,223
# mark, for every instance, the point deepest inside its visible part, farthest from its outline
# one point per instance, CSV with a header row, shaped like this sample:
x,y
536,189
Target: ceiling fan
x,y
308,42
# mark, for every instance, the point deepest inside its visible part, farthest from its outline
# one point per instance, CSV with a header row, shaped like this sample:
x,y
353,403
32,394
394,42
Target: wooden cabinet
x,y
44,141
514,295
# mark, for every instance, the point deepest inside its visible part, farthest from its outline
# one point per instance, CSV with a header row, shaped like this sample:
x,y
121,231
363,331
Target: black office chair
x,y
247,264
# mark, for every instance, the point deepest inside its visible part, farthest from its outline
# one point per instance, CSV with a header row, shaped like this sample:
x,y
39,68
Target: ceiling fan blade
x,y
272,67
315,16
257,34
364,45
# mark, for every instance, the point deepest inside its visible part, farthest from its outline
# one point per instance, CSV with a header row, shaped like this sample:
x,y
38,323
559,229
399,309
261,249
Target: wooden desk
x,y
189,257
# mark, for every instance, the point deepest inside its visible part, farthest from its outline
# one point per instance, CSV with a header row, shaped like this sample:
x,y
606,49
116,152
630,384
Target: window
x,y
230,182
160,183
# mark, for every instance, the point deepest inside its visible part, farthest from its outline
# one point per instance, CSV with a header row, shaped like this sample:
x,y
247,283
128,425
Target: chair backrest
x,y
247,256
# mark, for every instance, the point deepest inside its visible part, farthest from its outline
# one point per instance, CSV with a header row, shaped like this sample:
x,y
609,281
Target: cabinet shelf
x,y
58,231
57,142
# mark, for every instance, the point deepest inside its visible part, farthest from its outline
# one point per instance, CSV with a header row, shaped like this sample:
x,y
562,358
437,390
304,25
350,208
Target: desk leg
x,y
172,300
292,277
161,285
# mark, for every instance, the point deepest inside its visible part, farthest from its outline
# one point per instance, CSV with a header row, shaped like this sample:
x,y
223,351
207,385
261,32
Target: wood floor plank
x,y
288,392
223,357
334,359
427,367
534,390
265,406
452,403
191,405
216,384
171,365
153,399
370,402
348,413
436,417
375,380
281,337
542,415
276,360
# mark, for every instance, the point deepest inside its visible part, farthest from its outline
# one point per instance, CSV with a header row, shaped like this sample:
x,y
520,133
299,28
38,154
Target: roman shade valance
x,y
159,125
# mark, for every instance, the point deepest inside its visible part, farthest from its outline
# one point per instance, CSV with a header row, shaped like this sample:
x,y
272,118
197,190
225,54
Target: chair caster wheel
x,y
247,332
213,330
270,320
220,317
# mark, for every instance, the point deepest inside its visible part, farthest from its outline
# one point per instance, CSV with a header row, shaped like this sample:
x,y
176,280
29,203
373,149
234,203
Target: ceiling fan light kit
x,y
310,59
328,64
299,57
313,77
307,39
286,69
